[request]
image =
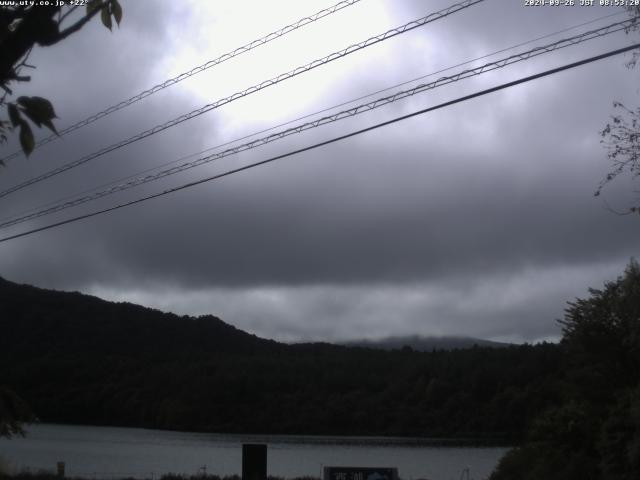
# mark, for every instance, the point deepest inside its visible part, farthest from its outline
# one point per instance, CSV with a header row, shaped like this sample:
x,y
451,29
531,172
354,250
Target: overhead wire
x,y
289,122
328,142
362,108
194,71
255,88
318,112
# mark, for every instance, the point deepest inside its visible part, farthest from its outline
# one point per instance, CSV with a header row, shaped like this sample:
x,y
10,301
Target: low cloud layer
x,y
477,219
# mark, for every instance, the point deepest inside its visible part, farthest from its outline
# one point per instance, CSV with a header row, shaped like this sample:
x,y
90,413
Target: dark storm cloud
x,y
477,219
360,228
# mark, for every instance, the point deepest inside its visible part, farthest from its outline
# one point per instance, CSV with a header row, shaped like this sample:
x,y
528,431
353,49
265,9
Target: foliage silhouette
x,y
621,136
22,27
594,432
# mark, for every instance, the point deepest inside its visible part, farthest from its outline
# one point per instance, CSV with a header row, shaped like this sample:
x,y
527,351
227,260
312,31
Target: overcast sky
x,y
478,219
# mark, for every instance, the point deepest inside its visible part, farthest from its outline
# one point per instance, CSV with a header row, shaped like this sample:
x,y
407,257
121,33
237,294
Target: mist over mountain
x,y
425,343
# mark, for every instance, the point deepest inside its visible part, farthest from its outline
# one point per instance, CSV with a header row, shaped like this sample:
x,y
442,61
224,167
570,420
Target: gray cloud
x,y
493,305
477,219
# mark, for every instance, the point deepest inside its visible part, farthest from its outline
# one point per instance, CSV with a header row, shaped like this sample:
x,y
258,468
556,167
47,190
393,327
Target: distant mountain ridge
x,y
425,343
75,321
78,359
55,301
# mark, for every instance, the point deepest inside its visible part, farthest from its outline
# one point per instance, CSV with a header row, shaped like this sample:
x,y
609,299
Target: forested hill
x,y
40,320
78,359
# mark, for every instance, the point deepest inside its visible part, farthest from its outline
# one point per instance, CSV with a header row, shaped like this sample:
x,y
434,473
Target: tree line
x,y
594,431
78,359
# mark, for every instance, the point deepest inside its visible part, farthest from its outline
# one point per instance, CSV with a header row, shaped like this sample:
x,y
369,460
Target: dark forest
x,y
78,359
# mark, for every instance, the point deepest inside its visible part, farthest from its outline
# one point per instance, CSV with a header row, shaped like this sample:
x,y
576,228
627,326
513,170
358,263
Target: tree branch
x,y
35,26
79,24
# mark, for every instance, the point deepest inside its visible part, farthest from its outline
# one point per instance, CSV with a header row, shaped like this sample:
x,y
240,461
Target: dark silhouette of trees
x,y
22,27
621,135
594,432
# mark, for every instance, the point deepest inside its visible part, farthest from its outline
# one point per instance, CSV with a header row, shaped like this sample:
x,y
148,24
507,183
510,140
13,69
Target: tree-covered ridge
x,y
47,320
79,359
594,433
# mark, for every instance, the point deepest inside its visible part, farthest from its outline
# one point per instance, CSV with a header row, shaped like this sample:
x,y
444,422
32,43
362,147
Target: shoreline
x,y
283,438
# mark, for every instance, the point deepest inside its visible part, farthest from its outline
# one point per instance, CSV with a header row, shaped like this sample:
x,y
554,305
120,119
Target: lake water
x,y
106,452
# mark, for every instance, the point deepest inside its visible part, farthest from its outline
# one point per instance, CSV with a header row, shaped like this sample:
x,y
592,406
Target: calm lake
x,y
106,452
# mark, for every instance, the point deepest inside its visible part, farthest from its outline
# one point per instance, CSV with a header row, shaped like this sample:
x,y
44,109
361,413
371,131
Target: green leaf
x,y
44,107
39,110
27,141
31,117
105,16
92,5
14,114
116,9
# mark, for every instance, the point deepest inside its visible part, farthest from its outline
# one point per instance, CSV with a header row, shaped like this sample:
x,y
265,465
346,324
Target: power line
x,y
267,83
194,71
576,39
330,141
289,122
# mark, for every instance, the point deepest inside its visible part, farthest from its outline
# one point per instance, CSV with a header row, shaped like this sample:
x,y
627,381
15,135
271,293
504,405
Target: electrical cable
x,y
267,83
194,71
330,141
333,107
576,39
289,122
318,112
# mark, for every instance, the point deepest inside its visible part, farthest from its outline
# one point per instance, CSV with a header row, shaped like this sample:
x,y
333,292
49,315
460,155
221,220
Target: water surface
x,y
109,452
